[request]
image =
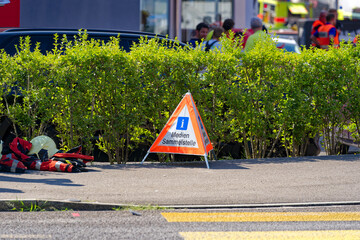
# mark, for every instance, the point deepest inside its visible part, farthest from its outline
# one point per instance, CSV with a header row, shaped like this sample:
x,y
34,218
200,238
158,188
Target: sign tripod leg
x,y
206,160
145,157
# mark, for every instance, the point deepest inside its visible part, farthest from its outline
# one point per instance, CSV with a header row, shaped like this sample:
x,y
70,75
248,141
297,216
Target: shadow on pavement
x,y
227,164
349,157
49,181
9,190
232,164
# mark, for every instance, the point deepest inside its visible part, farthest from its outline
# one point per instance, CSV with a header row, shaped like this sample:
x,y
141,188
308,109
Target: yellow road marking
x,y
278,235
261,216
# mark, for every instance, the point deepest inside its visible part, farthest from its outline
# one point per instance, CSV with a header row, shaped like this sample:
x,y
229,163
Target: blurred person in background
x,y
218,22
337,24
318,23
214,42
201,31
257,28
327,34
228,26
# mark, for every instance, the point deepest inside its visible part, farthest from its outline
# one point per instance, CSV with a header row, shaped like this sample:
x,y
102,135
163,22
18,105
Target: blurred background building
x,y
175,18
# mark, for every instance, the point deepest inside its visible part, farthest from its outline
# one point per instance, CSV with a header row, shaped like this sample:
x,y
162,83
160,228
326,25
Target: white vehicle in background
x,y
288,44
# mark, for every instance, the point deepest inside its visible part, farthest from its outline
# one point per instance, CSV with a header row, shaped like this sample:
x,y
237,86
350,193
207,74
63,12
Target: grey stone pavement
x,y
243,182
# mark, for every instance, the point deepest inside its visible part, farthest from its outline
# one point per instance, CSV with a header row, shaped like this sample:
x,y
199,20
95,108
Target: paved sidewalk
x,y
234,182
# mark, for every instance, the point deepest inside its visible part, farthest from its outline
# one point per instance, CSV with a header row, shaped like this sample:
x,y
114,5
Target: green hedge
x,y
265,99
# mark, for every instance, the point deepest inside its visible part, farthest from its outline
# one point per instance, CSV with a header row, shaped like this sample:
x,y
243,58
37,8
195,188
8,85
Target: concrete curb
x,y
265,205
76,205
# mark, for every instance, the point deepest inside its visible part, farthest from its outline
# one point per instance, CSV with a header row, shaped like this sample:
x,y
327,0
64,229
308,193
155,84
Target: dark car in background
x,y
11,37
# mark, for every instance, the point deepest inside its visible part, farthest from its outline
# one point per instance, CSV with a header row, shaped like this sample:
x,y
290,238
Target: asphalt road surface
x,y
332,222
233,182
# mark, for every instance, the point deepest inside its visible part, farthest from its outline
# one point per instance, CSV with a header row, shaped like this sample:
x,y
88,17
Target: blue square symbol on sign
x,y
182,123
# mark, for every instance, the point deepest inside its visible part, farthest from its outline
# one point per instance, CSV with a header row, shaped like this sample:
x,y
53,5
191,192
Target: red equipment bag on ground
x,y
9,163
71,156
17,160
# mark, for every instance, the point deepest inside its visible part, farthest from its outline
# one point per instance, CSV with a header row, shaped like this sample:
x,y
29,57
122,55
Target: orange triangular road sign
x,y
184,133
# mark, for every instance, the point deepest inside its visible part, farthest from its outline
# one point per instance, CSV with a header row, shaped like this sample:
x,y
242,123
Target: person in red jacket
x,y
327,34
318,23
